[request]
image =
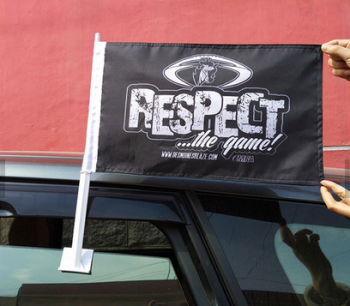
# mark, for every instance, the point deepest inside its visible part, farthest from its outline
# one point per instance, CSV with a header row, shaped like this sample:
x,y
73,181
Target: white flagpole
x,y
80,217
76,259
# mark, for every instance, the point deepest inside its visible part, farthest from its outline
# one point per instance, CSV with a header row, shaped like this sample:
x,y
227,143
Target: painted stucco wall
x,y
46,52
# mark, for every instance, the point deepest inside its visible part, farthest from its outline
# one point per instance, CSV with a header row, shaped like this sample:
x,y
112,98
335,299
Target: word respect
x,y
227,114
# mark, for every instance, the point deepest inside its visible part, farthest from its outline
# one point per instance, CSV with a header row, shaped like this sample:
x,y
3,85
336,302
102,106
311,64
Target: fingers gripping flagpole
x,y
77,259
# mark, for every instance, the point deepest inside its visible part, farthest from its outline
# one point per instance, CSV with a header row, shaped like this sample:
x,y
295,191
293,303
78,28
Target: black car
x,y
168,241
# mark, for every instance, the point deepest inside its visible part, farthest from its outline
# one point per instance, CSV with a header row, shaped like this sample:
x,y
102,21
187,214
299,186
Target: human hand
x,y
306,248
341,207
339,57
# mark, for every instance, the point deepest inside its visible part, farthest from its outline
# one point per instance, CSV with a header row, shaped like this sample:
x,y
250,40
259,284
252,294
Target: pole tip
x,y
97,37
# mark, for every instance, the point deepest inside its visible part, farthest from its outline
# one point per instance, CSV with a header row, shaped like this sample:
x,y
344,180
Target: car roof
x,y
66,167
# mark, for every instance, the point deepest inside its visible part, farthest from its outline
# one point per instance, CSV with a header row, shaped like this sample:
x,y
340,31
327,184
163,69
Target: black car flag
x,y
228,112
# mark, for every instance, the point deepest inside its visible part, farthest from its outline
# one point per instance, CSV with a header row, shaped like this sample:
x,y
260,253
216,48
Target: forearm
x,y
326,286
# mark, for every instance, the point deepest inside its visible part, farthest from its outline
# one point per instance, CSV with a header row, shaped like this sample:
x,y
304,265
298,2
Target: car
x,y
167,241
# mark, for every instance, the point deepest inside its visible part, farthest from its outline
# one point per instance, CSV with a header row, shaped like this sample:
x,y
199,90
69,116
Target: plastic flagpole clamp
x,y
76,259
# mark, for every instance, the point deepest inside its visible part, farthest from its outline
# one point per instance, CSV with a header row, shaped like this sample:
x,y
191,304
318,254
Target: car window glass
x,y
29,267
39,265
249,231
114,235
322,249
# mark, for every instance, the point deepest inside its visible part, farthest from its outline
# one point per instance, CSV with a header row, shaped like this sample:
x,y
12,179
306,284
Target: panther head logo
x,y
205,69
205,72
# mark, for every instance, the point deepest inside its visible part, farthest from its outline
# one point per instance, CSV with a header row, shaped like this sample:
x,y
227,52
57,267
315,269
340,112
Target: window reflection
x,y
323,280
273,245
30,253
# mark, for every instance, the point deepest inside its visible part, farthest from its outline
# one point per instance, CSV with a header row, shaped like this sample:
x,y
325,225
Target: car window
x,y
326,254
30,254
283,253
117,235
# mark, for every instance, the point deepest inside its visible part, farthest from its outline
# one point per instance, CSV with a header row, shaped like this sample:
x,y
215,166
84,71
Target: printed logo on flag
x,y
205,116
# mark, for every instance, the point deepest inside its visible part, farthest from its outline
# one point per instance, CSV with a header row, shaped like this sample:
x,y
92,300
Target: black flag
x,y
228,112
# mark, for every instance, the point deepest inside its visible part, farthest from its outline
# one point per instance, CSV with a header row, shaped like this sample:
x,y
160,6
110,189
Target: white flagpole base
x,y
68,263
76,259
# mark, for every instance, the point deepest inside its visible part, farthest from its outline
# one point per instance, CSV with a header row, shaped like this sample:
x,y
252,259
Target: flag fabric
x,y
225,112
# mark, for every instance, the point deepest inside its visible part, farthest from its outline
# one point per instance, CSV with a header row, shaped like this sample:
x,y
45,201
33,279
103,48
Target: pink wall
x,y
46,51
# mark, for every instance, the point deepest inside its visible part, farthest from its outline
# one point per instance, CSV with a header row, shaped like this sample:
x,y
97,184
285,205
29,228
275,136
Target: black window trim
x,y
216,253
